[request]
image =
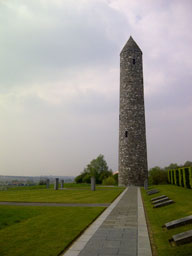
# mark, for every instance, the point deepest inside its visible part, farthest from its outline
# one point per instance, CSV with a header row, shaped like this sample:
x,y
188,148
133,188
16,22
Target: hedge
x,y
181,177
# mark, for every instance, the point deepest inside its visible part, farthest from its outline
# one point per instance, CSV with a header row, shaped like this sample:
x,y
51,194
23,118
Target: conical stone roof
x,y
131,45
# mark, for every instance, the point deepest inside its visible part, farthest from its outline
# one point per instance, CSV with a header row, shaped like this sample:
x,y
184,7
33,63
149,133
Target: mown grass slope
x,y
42,231
61,196
158,217
66,185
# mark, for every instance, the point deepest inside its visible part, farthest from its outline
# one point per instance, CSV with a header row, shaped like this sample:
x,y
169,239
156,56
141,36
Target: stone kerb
x,y
144,247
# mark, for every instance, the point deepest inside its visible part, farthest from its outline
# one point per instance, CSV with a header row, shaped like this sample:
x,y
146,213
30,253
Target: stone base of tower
x,y
128,178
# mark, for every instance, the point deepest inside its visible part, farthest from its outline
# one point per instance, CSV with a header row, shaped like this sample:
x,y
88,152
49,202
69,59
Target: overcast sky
x,y
59,81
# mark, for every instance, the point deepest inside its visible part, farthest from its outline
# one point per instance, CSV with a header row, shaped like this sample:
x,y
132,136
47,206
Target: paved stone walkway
x,y
121,230
53,204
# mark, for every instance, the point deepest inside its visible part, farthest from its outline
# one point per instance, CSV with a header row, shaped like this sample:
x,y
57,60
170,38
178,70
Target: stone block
x,y
56,184
160,200
153,191
182,238
158,197
163,204
179,222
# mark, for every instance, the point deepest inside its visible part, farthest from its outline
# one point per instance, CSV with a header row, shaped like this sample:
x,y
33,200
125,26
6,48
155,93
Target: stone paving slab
x,y
121,230
90,231
121,222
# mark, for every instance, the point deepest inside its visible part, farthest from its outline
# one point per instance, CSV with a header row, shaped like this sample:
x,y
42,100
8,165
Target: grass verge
x,y
158,217
61,196
41,230
66,185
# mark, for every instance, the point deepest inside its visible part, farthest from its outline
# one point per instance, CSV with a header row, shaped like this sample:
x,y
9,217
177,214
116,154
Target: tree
x,y
87,178
157,176
79,178
109,181
115,176
171,166
42,182
188,163
97,168
103,175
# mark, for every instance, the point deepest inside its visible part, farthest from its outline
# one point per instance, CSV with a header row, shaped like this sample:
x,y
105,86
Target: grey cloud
x,y
46,42
59,93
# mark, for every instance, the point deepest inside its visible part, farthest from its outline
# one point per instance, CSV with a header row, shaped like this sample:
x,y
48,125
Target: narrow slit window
x,y
126,134
133,61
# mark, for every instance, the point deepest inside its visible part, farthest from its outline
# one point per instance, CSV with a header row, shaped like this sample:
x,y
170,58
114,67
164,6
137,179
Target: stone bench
x,y
179,222
181,238
153,191
163,204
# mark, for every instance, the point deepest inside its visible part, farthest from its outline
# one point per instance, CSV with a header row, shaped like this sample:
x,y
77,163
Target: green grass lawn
x,y
42,231
157,217
26,187
101,195
38,230
66,185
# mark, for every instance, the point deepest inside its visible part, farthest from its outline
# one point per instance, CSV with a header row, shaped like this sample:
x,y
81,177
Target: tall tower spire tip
x,y
131,45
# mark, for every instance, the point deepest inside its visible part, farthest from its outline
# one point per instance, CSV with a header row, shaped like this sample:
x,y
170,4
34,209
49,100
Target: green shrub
x,y
109,181
157,176
79,178
115,176
42,182
97,168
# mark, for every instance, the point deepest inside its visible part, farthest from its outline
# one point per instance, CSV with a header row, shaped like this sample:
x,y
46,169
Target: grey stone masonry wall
x,y
132,135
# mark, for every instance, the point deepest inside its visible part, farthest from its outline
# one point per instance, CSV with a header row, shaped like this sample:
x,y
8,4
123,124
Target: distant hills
x,y
33,179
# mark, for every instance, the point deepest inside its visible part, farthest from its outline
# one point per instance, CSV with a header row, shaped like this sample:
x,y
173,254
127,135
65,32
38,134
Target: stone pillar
x,y
47,183
93,183
56,183
62,183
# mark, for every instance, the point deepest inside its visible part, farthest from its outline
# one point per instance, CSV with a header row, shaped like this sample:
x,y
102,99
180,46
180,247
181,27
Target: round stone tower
x,y
132,135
